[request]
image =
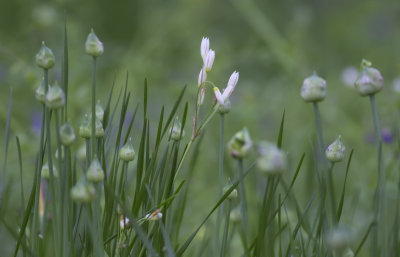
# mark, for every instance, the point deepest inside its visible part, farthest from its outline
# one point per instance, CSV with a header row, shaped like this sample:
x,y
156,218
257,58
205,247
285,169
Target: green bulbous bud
x,y
95,172
176,130
55,97
45,58
93,45
127,153
338,238
369,80
348,253
83,191
67,134
240,144
57,155
233,195
235,216
335,151
40,93
46,171
81,153
99,132
224,108
272,160
99,112
85,128
313,89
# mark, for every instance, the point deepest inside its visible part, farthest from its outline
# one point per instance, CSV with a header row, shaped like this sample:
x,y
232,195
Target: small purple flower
x,y
36,122
387,136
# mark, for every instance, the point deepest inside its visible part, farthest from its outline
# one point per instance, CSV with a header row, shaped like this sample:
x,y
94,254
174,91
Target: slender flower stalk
x,y
368,83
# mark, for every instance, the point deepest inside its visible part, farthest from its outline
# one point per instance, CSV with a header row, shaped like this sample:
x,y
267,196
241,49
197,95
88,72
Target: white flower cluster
x,y
208,56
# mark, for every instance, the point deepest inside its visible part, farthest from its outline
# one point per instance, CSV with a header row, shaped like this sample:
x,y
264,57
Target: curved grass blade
x,y
340,208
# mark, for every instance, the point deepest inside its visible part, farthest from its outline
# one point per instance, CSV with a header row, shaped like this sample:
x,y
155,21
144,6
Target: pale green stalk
x,y
93,133
226,230
53,200
379,206
221,174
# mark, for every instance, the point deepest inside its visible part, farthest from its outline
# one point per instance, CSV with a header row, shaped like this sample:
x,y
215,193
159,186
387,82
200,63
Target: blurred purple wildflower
x,y
386,134
36,122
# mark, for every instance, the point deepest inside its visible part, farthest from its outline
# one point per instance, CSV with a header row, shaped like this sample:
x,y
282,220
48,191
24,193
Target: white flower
x,y
156,215
228,90
209,60
124,222
205,47
202,77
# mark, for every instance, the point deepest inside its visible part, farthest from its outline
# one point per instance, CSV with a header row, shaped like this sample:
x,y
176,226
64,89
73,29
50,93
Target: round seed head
x,y
93,45
45,58
313,89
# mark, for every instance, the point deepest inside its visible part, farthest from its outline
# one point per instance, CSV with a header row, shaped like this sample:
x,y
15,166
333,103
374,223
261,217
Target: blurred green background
x,y
273,44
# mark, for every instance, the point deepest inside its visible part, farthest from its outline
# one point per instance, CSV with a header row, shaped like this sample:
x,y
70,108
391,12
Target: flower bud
x,y
202,77
369,80
83,191
313,89
85,128
338,238
240,144
99,132
335,151
81,153
55,97
46,171
176,130
57,155
127,153
67,134
99,112
209,60
95,172
235,216
45,57
224,108
204,48
233,195
272,160
93,45
40,93
348,253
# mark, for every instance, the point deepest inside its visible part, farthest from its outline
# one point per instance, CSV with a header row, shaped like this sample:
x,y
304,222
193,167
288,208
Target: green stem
x,y
208,118
242,195
53,198
318,123
331,190
379,205
221,174
35,222
226,230
93,134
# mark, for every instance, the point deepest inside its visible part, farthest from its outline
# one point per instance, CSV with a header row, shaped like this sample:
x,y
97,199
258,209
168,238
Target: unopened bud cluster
x,y
313,89
369,80
240,144
272,160
335,151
